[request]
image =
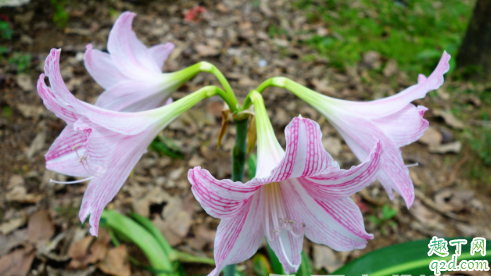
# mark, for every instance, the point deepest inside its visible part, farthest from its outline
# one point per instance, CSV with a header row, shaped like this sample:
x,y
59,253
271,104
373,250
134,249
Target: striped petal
x,y
304,155
239,237
344,183
128,53
61,156
392,104
103,188
102,68
220,198
336,223
405,126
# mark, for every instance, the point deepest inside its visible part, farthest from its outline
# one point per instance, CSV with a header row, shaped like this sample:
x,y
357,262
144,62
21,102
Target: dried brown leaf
x,y
116,262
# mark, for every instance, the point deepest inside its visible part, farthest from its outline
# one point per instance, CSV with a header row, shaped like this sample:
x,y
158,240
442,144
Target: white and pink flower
x,y
131,73
295,193
394,121
101,145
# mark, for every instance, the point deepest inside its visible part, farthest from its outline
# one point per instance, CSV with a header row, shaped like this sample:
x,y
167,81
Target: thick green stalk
x,y
228,96
238,163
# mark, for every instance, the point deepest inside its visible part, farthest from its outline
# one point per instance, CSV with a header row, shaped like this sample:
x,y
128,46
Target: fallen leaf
x,y
453,147
322,86
206,51
17,263
390,68
13,240
454,200
332,145
116,262
30,111
36,145
39,228
203,237
62,272
141,204
24,81
78,249
431,137
19,194
11,225
15,180
371,59
324,257
449,118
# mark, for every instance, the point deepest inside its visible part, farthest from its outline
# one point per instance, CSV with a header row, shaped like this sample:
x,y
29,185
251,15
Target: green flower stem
x,y
188,258
228,96
299,90
238,163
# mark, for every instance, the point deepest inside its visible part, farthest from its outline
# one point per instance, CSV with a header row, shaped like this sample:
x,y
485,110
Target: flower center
x,y
82,159
276,218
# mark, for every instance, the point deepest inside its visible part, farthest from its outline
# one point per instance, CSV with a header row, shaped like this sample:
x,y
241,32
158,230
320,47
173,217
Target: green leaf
x,y
130,229
174,255
375,220
251,165
166,146
261,265
306,268
405,258
143,221
275,262
388,213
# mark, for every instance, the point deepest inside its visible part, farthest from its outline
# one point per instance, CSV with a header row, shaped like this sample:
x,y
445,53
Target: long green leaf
x,y
405,258
140,236
306,268
275,262
261,265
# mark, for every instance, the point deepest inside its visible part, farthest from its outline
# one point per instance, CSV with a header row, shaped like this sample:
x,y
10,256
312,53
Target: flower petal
x,y
102,189
304,156
344,183
61,156
394,175
161,52
392,104
288,245
128,53
64,112
335,223
405,126
220,198
102,68
239,237
61,101
134,96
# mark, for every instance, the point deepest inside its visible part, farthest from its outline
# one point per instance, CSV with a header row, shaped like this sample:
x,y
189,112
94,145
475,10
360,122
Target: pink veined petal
x,y
161,52
239,237
128,53
102,189
288,251
335,223
395,175
304,155
392,104
64,112
220,198
405,126
344,183
360,135
102,68
61,101
134,96
61,156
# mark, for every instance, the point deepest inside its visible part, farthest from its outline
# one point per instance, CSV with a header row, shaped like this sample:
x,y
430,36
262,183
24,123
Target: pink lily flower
x,y
131,73
297,192
394,121
100,144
